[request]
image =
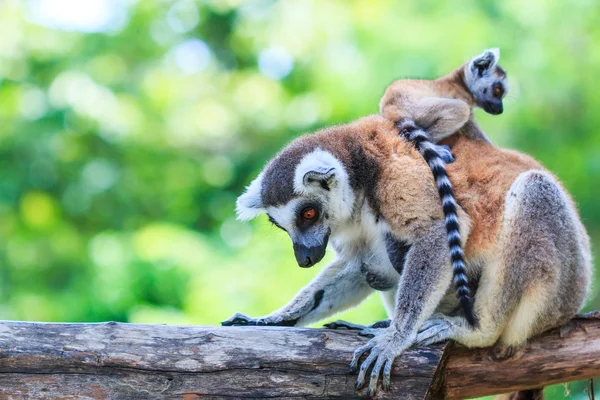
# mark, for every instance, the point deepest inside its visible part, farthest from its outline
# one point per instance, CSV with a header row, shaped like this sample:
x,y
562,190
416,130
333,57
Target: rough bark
x,y
127,361
566,354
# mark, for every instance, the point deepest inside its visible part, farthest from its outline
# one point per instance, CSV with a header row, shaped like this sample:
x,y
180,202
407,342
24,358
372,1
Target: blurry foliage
x,y
125,141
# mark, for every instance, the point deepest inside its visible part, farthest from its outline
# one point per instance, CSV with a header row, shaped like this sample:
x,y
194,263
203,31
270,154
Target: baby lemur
x,y
445,105
369,192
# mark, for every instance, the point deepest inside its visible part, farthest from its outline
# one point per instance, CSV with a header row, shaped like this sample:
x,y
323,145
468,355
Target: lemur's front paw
x,y
344,325
444,153
434,330
364,330
384,348
239,319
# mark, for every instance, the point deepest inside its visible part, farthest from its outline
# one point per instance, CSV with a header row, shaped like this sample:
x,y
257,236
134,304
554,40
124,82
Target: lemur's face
x,y
487,81
318,199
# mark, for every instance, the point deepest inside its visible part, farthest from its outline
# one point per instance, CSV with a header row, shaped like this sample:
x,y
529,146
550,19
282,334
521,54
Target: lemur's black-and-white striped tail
x,y
434,159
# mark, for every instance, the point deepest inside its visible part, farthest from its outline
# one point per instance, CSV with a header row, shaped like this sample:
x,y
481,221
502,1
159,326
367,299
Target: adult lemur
x,y
370,193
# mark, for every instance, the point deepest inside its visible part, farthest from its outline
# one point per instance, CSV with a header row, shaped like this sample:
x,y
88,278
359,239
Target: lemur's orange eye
x,y
497,91
309,213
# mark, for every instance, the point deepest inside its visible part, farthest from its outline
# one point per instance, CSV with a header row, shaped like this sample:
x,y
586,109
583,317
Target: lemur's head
x,y
305,191
487,81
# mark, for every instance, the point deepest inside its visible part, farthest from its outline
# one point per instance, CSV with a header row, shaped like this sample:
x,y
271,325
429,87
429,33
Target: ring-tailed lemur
x,y
445,105
369,192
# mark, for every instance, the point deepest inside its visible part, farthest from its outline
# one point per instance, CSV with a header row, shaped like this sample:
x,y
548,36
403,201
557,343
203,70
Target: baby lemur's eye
x,y
498,91
309,213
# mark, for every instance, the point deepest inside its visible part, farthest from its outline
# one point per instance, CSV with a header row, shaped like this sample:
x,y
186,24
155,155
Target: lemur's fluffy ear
x,y
316,170
484,62
323,177
250,205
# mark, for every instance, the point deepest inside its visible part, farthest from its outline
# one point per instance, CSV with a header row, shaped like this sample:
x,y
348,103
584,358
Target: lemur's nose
x,y
308,256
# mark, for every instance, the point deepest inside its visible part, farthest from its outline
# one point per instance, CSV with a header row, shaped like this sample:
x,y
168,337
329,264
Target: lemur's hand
x,y
444,153
364,330
384,348
239,319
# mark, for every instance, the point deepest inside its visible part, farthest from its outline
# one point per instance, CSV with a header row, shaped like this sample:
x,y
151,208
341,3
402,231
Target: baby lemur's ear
x,y
485,62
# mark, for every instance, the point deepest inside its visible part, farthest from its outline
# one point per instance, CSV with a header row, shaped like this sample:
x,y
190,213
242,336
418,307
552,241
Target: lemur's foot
x,y
364,330
434,330
501,351
239,319
406,127
444,153
384,348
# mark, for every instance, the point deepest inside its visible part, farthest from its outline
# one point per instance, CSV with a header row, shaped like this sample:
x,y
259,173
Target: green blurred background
x,y
128,128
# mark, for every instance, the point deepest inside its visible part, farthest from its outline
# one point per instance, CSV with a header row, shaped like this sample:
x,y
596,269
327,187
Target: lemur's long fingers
x,y
357,354
238,319
375,375
341,324
387,374
360,381
382,324
368,332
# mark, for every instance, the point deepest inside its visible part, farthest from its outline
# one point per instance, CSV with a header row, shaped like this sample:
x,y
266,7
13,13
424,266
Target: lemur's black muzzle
x,y
493,108
309,256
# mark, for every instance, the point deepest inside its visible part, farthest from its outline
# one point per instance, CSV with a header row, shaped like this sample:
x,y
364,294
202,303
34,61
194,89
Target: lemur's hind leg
x,y
549,252
440,117
472,130
538,280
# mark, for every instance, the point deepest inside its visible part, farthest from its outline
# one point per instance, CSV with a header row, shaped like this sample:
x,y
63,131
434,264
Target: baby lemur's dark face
x,y
487,81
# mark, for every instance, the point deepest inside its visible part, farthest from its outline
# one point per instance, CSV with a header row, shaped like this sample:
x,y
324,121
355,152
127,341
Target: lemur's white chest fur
x,y
362,238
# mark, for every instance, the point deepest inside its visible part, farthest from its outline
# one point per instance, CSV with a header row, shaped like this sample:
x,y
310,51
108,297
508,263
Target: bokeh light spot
x,y
192,56
39,210
275,62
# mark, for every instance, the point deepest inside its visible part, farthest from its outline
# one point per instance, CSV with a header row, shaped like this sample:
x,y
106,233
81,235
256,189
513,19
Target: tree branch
x,y
129,361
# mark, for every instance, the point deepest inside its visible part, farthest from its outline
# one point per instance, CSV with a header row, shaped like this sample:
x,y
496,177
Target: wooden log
x,y
129,361
566,354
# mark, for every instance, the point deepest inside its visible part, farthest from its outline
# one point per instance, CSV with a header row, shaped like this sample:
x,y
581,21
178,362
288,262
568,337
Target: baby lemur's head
x,y
487,81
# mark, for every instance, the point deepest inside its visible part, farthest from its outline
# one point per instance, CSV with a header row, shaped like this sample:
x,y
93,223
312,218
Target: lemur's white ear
x,y
485,62
496,52
322,177
250,205
316,170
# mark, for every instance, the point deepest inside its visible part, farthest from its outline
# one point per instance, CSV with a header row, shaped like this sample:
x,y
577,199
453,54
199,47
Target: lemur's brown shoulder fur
x,y
406,192
481,186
